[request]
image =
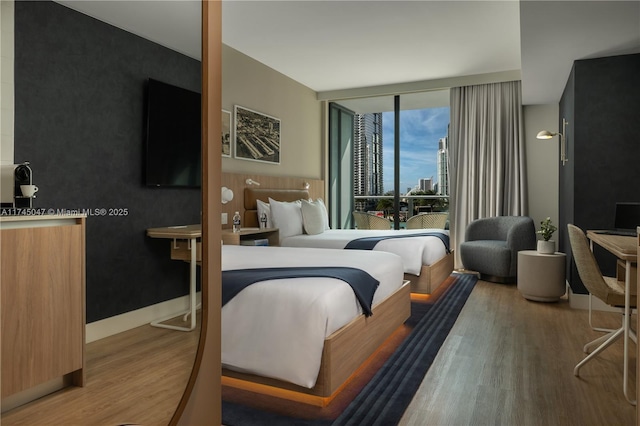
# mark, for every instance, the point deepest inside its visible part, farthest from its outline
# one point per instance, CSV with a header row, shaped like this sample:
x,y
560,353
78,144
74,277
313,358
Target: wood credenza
x,y
43,304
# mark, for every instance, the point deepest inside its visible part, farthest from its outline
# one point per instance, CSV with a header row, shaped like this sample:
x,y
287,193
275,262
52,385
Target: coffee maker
x,y
22,175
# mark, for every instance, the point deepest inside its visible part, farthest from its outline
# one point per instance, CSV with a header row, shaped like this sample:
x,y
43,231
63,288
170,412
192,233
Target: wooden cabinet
x,y
43,301
234,238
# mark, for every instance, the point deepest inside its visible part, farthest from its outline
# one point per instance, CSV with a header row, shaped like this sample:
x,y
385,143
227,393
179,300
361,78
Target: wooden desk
x,y
187,252
625,249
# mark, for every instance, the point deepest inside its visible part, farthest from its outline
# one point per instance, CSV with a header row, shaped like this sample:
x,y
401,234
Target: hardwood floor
x,y
135,377
509,361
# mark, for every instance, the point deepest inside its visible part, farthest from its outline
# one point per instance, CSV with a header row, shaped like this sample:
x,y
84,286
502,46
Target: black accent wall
x,y
79,117
601,101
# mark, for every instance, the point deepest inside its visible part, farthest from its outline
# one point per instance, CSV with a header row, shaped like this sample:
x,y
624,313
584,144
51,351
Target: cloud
x,y
420,131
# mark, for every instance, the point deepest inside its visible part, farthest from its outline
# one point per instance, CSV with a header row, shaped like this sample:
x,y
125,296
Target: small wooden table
x,y
189,251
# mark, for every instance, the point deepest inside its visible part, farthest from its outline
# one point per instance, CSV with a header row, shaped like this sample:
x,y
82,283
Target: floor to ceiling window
x,y
422,182
341,155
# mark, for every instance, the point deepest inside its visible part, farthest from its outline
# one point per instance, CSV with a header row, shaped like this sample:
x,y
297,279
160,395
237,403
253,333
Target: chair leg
x,y
597,341
608,330
627,335
612,338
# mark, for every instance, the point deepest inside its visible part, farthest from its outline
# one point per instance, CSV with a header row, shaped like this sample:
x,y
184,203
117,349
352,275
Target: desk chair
x,y
607,289
428,220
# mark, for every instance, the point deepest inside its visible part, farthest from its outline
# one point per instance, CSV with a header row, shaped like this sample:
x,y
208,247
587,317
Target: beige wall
x,y
253,85
543,163
250,84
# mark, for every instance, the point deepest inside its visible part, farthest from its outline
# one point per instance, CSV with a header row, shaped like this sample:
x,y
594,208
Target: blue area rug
x,y
383,400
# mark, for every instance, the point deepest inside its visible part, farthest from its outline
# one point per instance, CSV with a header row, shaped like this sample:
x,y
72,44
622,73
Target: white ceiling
x,y
334,45
331,45
555,33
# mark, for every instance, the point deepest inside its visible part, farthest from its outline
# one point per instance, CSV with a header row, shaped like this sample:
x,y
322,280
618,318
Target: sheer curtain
x,y
487,155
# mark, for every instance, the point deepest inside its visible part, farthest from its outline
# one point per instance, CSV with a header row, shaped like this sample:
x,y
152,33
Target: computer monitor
x,y
627,216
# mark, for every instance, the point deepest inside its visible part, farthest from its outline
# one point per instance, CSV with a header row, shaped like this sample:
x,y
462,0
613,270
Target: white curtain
x,y
487,155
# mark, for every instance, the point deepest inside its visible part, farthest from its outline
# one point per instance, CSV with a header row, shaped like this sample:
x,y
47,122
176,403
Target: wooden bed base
x,y
431,276
344,352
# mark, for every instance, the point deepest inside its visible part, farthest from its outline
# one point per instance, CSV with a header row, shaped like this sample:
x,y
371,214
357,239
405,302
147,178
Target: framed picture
x,y
257,136
226,133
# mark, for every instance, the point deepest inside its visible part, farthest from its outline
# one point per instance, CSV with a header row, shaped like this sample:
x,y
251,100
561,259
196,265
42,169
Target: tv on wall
x,y
173,136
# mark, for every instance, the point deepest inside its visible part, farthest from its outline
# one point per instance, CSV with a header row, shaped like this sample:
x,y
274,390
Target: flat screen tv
x,y
173,136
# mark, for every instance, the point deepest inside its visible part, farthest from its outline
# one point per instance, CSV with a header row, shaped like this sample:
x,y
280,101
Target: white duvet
x,y
414,251
277,328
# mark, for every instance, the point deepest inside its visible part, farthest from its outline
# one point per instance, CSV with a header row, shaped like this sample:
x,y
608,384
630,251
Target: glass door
x,y
341,155
399,150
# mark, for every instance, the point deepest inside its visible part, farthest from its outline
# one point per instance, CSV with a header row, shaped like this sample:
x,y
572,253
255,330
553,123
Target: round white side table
x,y
541,277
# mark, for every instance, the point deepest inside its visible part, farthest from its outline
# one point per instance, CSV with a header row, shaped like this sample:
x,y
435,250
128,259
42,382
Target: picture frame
x,y
227,133
257,136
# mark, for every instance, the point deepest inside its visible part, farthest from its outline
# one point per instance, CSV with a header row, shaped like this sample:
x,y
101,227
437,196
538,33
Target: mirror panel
x,y
79,120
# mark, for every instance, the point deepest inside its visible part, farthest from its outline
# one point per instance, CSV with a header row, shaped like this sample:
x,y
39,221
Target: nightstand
x,y
248,234
541,277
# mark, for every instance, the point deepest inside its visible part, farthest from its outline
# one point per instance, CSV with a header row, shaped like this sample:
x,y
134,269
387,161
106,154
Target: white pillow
x,y
266,209
287,217
326,213
314,217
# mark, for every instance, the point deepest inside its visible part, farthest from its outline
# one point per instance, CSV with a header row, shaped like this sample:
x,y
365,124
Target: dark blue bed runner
x,y
364,285
368,243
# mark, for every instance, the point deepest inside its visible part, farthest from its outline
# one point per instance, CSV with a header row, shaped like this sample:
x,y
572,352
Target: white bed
x,y
415,251
426,261
277,329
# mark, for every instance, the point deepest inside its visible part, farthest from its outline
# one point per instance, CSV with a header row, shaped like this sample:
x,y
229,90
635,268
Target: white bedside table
x,y
541,277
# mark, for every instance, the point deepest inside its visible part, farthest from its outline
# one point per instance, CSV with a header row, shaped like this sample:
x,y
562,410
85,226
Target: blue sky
x,y
420,131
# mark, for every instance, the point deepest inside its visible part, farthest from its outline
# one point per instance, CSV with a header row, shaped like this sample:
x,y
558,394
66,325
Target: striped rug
x,y
383,400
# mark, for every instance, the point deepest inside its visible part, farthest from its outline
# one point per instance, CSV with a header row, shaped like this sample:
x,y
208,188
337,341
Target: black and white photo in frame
x,y
226,133
257,136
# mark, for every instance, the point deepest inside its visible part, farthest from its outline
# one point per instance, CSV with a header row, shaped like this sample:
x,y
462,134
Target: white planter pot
x,y
546,247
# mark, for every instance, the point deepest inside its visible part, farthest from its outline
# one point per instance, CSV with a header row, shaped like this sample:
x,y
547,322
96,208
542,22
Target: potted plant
x,y
546,245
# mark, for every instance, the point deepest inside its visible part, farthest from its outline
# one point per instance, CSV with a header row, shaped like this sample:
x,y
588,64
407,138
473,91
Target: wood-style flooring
x,y
507,361
136,377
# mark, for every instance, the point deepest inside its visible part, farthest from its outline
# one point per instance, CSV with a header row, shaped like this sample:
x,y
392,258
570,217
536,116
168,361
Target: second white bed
x,y
415,251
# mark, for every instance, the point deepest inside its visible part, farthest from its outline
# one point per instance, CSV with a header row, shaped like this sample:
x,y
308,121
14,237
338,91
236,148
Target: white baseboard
x,y
99,330
117,324
581,301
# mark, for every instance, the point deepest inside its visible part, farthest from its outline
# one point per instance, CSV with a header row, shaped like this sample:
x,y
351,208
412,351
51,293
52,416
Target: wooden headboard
x,y
253,194
269,187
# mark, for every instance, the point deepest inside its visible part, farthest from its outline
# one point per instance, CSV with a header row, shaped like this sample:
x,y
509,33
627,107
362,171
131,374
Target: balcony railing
x,y
409,204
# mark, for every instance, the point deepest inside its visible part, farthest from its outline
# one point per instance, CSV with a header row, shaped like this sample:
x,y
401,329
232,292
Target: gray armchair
x,y
491,246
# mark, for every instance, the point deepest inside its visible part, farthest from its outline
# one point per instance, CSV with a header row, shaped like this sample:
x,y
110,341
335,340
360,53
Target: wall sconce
x,y
227,195
545,134
252,182
305,185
